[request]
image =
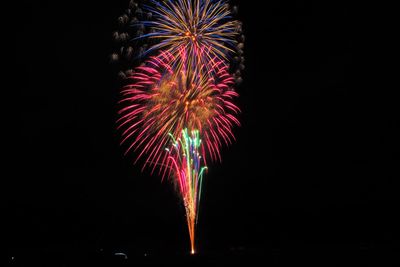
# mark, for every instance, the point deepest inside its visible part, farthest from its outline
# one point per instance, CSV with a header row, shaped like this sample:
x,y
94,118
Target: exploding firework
x,y
204,28
177,107
200,27
159,102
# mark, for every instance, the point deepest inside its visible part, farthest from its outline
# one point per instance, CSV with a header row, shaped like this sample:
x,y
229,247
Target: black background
x,y
313,174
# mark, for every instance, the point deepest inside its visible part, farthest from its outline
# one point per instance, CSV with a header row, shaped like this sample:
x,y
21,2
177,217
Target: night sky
x,y
312,176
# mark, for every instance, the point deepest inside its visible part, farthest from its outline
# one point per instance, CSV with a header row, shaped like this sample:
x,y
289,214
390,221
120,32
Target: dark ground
x,y
312,178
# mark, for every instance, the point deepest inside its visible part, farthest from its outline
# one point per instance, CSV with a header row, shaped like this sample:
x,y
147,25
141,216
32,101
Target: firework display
x,y
180,61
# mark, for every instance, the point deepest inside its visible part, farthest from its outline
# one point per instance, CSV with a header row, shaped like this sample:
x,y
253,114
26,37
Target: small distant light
x,y
145,254
192,252
12,258
121,254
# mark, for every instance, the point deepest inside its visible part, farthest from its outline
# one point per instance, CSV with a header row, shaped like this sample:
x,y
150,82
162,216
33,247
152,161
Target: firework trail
x,y
186,160
177,107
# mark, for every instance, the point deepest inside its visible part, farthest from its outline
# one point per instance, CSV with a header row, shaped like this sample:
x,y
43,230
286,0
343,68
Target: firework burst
x,y
202,28
182,59
159,102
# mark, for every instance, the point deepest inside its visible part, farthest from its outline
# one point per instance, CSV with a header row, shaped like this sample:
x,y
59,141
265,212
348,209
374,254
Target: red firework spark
x,y
158,102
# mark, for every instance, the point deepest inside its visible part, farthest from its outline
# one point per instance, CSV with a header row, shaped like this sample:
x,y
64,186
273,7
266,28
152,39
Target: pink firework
x,y
158,102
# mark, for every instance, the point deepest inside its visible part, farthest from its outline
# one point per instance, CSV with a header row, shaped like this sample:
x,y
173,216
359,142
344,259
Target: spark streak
x,y
185,158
